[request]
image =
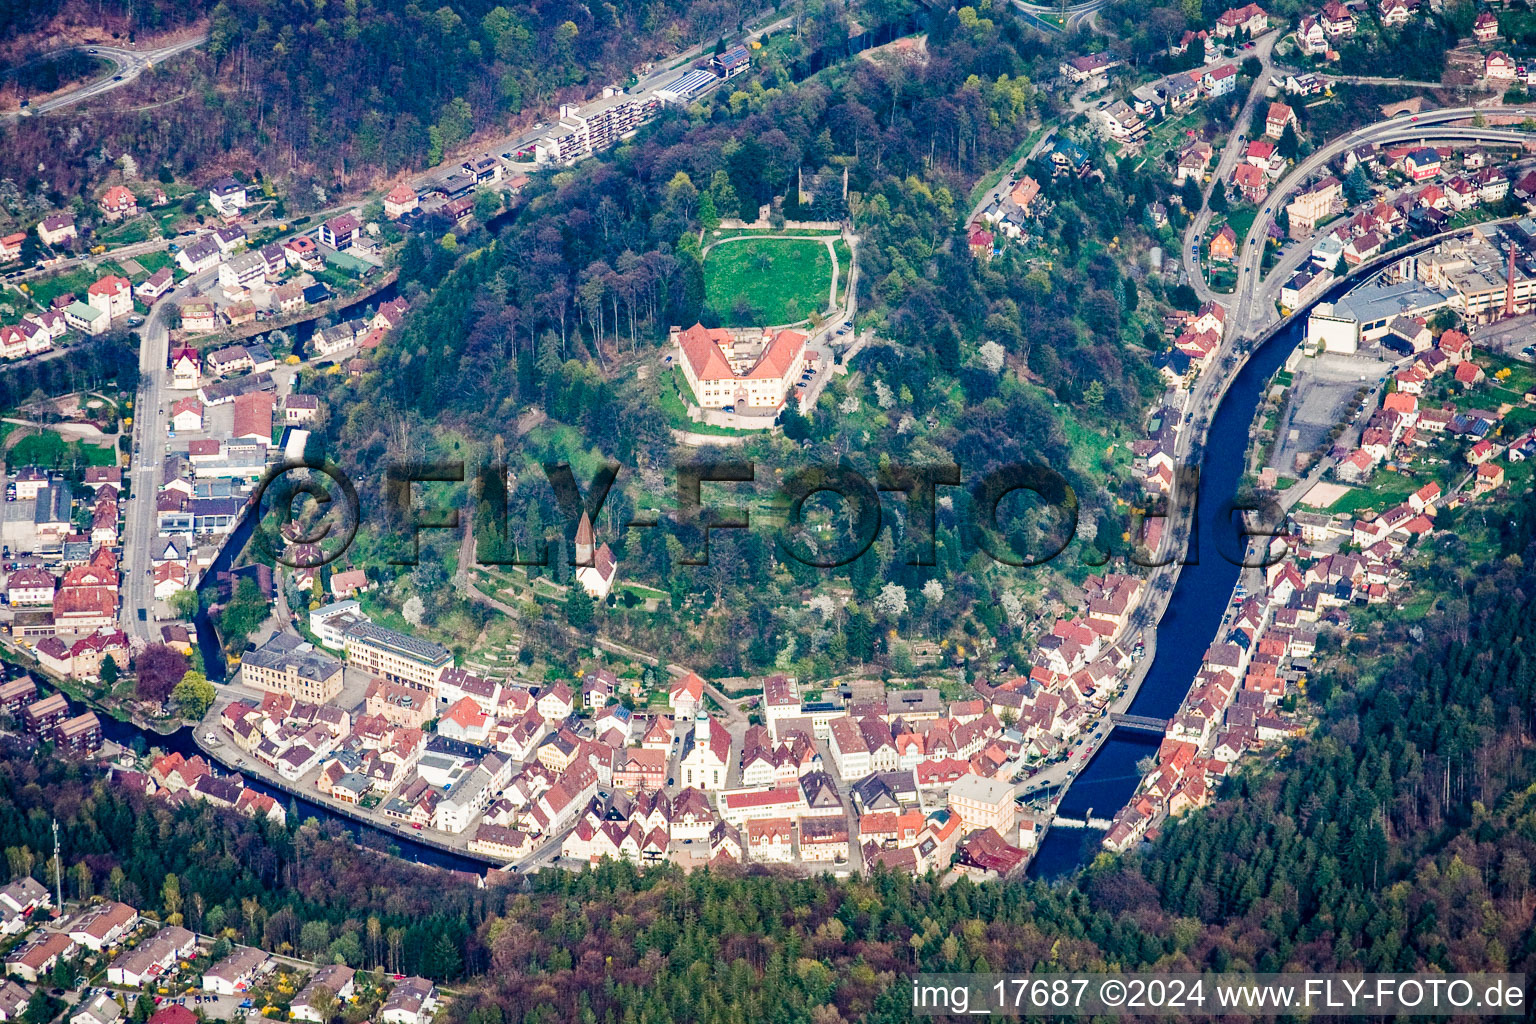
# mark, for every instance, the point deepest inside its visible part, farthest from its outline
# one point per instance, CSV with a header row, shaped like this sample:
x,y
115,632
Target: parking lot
x,y
1511,337
1324,387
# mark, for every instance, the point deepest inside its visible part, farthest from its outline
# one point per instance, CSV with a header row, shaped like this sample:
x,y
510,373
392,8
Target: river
x,y
207,637
214,665
301,332
1188,626
181,742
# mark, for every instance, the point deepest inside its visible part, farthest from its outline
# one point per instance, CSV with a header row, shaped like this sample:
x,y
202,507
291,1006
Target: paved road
x,y
995,194
1251,308
1230,155
130,64
1076,14
150,423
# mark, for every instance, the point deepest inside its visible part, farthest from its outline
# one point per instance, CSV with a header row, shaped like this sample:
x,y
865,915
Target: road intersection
x,y
130,64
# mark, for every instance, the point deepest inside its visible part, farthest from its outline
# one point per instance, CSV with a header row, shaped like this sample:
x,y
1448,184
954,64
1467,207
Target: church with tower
x,y
595,565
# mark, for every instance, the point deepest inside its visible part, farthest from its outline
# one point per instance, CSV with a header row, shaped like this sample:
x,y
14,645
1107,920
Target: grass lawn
x,y
153,261
76,281
1242,220
641,590
780,280
129,231
1519,420
719,233
1384,490
50,450
1169,134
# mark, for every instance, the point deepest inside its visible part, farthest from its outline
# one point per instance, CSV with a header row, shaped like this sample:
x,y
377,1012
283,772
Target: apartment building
x,y
582,131
397,657
983,803
287,664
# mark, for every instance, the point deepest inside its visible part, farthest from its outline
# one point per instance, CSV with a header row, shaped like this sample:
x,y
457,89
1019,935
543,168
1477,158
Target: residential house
x,y
399,201
56,229
1311,39
1422,164
229,238
228,196
112,295
1224,245
237,972
1250,19
200,254
1251,182
1277,119
1337,20
1094,65
117,203
340,232
411,1001
155,285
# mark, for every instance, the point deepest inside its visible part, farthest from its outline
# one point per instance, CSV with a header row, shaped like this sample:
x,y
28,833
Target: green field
x,y
153,261
51,451
768,281
74,281
1384,490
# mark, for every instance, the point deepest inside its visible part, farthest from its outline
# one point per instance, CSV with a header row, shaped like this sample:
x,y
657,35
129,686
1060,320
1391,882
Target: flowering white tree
x,y
933,591
849,405
992,356
891,602
822,605
884,397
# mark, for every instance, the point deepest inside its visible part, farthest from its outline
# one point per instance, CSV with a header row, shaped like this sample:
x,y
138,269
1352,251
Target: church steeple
x,y
584,540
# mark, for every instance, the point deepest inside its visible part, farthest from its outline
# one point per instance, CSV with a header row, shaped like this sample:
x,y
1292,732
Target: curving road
x,y
1252,305
1251,311
1076,14
130,64
1231,153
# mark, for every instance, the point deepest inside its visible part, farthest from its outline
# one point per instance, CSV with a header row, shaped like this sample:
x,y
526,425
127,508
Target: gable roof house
x,y
117,203
1250,18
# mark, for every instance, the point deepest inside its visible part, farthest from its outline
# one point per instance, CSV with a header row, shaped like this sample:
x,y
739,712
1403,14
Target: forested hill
x,y
323,93
1401,838
123,17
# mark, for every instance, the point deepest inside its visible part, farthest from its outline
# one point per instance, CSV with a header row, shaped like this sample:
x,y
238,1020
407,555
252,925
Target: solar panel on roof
x,y
692,82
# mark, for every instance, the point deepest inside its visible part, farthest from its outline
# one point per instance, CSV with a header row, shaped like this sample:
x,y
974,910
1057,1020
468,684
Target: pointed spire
x,y
584,552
